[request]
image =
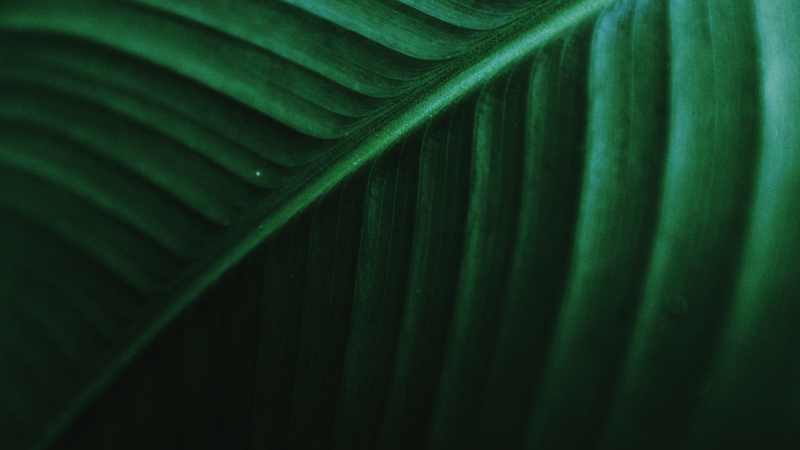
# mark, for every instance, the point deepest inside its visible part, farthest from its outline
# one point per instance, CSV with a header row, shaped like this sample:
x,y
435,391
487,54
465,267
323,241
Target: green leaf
x,y
399,224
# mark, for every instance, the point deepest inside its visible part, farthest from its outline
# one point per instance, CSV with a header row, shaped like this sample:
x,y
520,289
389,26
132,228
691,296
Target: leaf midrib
x,y
266,219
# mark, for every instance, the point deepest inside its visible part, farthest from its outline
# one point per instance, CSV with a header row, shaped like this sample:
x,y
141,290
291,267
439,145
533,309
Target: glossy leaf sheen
x,y
399,224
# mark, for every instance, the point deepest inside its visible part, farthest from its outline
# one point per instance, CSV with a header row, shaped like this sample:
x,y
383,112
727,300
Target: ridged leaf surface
x,y
399,224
